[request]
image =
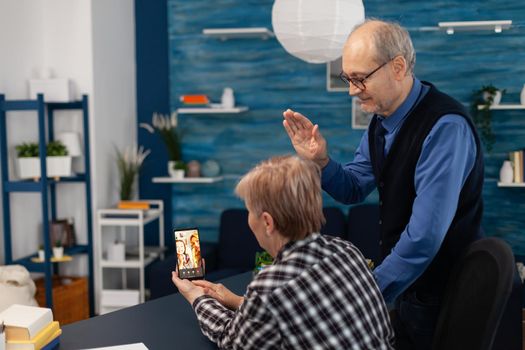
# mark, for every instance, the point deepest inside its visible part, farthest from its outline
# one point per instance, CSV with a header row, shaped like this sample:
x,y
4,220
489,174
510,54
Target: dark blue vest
x,y
397,190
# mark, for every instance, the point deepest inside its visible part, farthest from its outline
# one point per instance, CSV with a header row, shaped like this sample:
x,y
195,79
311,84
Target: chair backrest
x,y
363,230
475,297
237,244
335,222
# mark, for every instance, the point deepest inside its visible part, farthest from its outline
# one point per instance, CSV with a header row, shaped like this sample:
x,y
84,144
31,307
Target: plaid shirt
x,y
318,294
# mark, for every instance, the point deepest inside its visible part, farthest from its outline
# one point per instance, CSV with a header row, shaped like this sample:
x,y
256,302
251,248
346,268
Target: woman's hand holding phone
x,y
222,294
189,290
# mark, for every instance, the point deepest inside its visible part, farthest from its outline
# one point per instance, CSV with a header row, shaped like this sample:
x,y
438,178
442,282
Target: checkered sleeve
x,y
250,327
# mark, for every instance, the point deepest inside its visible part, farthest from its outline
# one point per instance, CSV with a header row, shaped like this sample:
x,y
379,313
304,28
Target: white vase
x,y
175,173
497,97
522,96
227,100
41,255
506,173
58,252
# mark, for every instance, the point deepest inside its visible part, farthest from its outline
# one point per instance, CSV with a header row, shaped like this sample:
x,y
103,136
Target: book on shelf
x,y
133,205
25,322
517,159
45,339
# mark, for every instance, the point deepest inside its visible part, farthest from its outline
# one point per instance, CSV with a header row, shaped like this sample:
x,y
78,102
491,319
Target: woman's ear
x,y
268,223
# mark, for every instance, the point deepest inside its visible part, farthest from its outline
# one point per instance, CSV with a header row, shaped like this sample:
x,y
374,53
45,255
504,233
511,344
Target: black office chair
x,y
475,297
363,230
335,224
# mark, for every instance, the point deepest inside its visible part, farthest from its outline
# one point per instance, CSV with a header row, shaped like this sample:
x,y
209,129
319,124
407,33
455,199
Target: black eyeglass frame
x,y
360,82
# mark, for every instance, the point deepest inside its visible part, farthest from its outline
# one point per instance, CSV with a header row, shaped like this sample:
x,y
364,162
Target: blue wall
x,y
268,80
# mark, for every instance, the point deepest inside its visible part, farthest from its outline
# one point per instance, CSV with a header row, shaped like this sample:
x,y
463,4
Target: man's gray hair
x,y
392,40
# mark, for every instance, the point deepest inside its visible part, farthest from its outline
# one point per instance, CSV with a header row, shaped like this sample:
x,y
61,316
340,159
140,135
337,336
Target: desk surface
x,y
164,323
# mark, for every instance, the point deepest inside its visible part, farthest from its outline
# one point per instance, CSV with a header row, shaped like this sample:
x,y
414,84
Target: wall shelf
x,y
514,184
188,180
238,33
504,106
496,26
209,110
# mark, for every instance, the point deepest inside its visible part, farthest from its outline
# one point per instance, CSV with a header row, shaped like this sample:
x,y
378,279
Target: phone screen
x,y
189,261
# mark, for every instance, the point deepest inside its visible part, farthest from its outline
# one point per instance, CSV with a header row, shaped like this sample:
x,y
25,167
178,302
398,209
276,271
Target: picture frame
x,y
360,119
333,82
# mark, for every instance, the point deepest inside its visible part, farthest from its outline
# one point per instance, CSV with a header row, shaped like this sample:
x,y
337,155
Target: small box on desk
x,y
54,90
70,298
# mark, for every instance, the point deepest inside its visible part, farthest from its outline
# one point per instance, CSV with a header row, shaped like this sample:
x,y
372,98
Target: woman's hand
x,y
189,290
222,294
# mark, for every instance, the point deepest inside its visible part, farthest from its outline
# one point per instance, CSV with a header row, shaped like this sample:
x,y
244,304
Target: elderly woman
x,y
318,293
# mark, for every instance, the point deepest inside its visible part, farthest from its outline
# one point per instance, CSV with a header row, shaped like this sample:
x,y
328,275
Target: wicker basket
x,y
70,298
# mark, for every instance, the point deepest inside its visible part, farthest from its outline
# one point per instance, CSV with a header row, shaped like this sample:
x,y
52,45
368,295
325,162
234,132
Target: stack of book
x,y
133,205
516,157
30,328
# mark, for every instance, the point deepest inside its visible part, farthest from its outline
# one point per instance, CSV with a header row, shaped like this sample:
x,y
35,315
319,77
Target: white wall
x,y
91,42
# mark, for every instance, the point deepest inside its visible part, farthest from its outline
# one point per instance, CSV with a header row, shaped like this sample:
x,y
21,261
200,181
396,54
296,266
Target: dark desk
x,y
164,323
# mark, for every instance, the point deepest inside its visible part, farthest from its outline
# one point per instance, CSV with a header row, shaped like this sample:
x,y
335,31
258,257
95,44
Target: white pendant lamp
x,y
315,30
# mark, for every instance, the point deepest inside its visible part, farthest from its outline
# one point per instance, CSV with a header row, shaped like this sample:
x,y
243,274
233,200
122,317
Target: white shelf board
x,y
497,26
231,33
188,180
514,184
127,217
128,263
209,110
504,106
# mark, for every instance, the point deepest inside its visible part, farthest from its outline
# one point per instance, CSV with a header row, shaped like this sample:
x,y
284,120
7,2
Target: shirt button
x,y
380,222
381,242
381,184
380,203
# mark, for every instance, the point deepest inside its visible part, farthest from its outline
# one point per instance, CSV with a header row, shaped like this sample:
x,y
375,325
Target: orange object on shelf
x,y
194,99
133,205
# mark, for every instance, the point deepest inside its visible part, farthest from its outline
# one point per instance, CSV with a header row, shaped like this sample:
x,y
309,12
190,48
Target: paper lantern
x,y
315,30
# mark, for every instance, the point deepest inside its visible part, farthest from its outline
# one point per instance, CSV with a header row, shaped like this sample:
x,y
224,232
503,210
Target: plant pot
x,y
58,252
41,254
58,166
29,168
497,97
173,172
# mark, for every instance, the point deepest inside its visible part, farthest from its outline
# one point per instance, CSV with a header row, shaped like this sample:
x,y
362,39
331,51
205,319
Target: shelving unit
x,y
137,258
45,187
209,110
504,106
513,184
188,180
236,33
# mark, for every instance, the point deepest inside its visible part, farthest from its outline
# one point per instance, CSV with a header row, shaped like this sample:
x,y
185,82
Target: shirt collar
x,y
292,245
391,123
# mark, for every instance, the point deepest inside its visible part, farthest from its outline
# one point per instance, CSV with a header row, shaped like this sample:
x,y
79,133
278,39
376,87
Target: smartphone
x,y
188,247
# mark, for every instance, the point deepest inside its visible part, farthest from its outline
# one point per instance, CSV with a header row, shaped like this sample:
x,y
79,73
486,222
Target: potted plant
x,y
41,253
166,127
57,160
58,250
262,259
481,102
28,161
129,163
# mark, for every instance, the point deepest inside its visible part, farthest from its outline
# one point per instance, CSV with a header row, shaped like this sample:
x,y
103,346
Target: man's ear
x,y
399,65
268,223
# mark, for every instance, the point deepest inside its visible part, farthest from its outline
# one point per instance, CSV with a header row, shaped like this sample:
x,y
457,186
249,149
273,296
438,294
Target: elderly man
x,y
318,293
421,151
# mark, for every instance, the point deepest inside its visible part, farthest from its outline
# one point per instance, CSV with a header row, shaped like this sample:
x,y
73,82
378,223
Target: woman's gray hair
x,y
392,40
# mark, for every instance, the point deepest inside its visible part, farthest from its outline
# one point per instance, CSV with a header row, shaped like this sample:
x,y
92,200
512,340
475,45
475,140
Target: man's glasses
x,y
360,82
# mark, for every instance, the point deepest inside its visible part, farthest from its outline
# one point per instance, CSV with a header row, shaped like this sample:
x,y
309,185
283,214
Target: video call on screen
x,y
188,249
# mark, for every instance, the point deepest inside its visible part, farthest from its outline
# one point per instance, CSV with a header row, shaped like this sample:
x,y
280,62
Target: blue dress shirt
x,y
446,159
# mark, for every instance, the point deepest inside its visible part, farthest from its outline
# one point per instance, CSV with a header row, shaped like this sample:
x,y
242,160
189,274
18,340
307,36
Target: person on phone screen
x,y
183,259
195,250
422,153
319,292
